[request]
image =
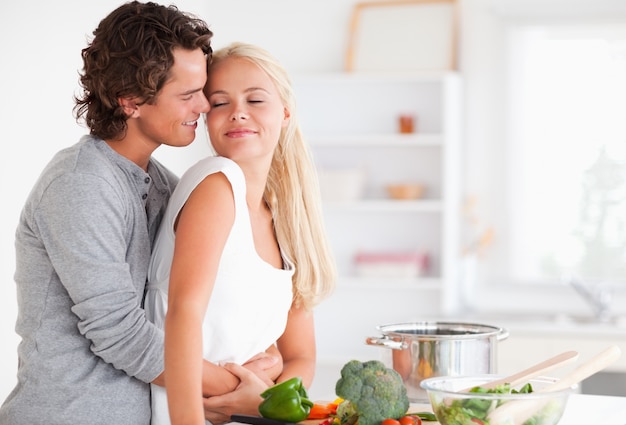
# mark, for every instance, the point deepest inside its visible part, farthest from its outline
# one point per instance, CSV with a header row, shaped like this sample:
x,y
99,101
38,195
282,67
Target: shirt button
x,y
147,180
144,196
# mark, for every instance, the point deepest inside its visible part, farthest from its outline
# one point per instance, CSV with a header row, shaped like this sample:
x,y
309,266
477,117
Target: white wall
x,y
41,43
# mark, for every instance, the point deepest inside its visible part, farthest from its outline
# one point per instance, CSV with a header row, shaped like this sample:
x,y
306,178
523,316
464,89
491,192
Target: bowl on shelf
x,y
405,191
454,404
342,184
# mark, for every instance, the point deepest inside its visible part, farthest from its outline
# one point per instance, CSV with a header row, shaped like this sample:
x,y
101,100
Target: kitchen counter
x,y
584,409
581,409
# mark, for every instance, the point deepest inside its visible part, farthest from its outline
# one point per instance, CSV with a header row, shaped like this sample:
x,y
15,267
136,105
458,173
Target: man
x,y
84,238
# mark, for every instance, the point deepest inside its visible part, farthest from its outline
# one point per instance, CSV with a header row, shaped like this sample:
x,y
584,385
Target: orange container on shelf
x,y
406,123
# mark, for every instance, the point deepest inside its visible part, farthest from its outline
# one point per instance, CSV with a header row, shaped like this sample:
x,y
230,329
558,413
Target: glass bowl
x,y
453,406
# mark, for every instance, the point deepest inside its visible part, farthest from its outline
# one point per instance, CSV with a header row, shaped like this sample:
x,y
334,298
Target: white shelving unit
x,y
351,122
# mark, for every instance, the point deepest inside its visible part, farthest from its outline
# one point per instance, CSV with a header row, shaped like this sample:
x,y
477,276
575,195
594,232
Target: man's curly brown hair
x,y
131,55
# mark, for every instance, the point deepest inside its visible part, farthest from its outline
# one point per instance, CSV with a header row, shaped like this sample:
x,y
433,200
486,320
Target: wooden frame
x,y
403,35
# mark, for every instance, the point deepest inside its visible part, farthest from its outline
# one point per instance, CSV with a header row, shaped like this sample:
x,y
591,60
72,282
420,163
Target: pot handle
x,y
503,334
385,341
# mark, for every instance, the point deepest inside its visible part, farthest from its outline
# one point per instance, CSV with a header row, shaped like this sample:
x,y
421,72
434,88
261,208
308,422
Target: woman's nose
x,y
238,115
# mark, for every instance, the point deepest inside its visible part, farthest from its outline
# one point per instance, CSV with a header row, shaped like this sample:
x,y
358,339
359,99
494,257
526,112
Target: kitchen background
x,y
461,224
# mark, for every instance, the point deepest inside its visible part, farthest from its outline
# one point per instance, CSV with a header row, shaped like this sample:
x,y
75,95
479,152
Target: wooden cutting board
x,y
256,420
413,408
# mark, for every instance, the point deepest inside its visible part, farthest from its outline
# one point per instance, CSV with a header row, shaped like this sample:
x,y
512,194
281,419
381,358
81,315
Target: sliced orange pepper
x,y
323,411
320,411
332,407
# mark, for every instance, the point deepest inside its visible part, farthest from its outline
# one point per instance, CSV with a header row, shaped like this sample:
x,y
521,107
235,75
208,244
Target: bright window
x,y
565,150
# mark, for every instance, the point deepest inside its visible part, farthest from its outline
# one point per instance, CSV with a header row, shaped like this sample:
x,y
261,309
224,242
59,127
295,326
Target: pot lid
x,y
440,330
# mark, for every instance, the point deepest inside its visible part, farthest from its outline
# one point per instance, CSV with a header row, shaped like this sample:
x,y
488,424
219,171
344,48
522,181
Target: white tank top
x,y
248,308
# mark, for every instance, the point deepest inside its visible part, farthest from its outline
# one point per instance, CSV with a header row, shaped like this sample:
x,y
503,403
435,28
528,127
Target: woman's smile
x,y
240,132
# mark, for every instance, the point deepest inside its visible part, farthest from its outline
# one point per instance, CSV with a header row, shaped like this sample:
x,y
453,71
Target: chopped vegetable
x,y
474,411
410,420
425,416
322,411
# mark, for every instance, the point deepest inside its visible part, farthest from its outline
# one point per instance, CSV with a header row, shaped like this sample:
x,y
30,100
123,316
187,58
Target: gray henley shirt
x,y
83,245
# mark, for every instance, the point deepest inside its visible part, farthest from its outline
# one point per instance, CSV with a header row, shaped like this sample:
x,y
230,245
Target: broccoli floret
x,y
373,391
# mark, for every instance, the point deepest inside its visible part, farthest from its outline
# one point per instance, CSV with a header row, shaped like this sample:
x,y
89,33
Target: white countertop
x,y
581,409
585,409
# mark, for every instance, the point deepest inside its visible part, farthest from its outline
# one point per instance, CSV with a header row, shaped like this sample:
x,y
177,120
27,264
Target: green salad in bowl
x,y
460,400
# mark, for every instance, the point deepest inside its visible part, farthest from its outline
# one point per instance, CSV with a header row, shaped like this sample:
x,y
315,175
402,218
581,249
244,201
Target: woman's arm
x,y
297,346
201,232
216,380
266,365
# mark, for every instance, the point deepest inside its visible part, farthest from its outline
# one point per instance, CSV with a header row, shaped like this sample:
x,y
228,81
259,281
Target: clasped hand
x,y
245,399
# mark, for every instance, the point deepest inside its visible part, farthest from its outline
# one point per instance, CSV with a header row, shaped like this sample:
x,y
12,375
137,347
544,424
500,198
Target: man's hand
x,y
245,399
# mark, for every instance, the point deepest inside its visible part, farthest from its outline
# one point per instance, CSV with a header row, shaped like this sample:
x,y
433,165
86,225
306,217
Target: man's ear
x,y
130,106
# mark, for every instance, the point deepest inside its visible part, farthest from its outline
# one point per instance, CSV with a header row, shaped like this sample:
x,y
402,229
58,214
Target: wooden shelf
x,y
391,283
378,140
386,205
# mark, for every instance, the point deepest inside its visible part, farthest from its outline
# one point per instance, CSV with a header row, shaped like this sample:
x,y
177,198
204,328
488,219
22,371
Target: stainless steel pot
x,y
424,349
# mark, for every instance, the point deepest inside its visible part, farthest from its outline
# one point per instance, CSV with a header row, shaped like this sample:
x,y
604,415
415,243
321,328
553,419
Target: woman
x,y
245,239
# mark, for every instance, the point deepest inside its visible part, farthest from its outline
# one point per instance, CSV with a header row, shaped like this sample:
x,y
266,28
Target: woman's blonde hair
x,y
292,190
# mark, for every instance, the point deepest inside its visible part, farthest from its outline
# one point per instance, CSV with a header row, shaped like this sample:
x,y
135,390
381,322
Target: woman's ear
x,y
130,106
287,117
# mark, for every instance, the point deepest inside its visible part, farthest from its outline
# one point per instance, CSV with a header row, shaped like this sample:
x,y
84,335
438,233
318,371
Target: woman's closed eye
x,y
216,103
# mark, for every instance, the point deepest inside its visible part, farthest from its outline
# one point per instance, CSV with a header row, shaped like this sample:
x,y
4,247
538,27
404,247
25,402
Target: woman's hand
x,y
245,399
267,365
